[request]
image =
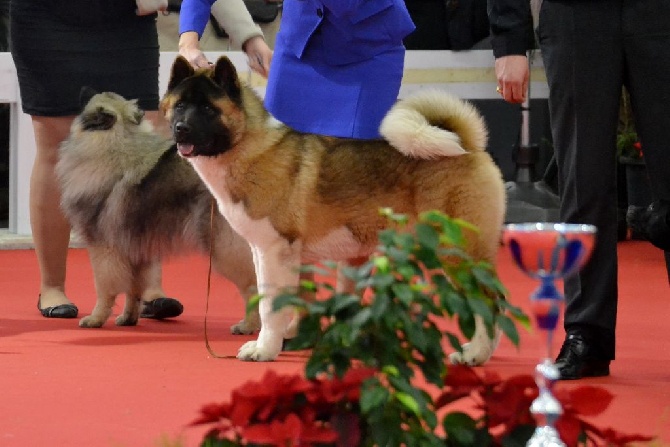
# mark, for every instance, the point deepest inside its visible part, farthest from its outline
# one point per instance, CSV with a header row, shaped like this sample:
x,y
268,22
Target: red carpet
x,y
67,386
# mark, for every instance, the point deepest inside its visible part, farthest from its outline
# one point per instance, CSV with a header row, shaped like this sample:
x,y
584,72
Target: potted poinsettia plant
x,y
377,374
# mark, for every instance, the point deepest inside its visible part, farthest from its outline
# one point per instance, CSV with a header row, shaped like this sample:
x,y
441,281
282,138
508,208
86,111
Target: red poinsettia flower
x,y
460,382
274,394
638,147
212,413
292,432
507,403
335,390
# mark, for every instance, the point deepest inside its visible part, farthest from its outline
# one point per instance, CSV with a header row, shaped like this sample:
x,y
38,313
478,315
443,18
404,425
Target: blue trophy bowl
x,y
547,252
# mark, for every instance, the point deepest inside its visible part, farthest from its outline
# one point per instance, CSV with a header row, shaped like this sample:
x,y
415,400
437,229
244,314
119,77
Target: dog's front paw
x,y
91,321
253,351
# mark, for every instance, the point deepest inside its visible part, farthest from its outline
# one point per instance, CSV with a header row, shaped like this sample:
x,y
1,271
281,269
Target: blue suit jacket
x,y
337,64
353,30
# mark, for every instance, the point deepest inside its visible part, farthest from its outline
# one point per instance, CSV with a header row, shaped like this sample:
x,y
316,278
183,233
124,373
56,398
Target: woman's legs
x,y
50,228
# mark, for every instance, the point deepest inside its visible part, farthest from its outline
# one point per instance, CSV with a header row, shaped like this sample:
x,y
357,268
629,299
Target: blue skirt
x,y
347,101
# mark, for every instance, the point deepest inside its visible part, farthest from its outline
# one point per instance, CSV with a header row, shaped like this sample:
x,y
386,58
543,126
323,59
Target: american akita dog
x,y
298,197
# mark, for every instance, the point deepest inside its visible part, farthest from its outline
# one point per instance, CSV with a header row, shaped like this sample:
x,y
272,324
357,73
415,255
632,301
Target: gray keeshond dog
x,y
134,201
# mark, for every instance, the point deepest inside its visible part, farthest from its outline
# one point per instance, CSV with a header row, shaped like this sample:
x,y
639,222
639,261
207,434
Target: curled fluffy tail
x,y
432,124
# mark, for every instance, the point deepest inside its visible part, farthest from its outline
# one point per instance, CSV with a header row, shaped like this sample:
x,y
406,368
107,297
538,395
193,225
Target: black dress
x,y
60,46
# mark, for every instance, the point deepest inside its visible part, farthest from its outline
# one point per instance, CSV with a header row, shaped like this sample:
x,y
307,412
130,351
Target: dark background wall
x,y
504,123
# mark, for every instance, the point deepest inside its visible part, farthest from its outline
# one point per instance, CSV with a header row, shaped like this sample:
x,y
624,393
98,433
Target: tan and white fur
x,y
301,198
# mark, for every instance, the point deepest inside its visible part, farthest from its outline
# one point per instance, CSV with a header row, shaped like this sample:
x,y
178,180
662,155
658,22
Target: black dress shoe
x,y
575,361
161,308
60,311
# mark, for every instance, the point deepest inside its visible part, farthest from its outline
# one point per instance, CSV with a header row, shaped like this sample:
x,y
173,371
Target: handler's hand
x,y
513,75
259,55
190,49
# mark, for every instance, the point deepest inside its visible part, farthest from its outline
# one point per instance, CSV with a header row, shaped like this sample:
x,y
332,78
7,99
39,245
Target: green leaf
x,y
417,337
379,306
382,281
408,271
427,236
466,323
253,302
508,328
519,436
390,370
342,302
453,302
404,293
382,263
373,397
287,299
460,428
362,317
516,312
485,275
317,308
454,341
398,255
482,309
408,402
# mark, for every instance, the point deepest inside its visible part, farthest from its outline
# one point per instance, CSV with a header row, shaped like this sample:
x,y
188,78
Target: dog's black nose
x,y
182,130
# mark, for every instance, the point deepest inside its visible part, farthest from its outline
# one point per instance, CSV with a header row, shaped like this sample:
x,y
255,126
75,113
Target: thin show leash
x,y
209,283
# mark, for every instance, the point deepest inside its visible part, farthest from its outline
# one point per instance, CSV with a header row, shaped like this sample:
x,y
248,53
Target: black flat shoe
x,y
575,362
161,308
60,311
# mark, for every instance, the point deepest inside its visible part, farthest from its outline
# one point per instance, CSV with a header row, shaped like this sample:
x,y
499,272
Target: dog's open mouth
x,y
185,149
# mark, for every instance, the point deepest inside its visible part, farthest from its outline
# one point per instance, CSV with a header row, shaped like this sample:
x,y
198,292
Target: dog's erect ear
x,y
181,70
85,95
138,115
99,119
225,76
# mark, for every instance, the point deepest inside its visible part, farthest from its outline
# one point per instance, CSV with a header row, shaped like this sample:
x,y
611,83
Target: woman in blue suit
x,y
337,64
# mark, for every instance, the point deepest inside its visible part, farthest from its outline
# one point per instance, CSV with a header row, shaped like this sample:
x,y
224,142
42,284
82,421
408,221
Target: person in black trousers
x,y
446,24
590,49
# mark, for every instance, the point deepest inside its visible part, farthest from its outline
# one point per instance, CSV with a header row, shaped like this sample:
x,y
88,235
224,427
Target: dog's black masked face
x,y
200,106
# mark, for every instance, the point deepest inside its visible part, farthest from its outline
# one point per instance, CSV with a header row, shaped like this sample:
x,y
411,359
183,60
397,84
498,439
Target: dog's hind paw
x,y
244,328
475,353
251,351
126,320
91,321
471,356
468,357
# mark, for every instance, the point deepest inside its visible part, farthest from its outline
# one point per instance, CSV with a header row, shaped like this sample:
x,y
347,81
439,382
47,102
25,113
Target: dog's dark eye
x,y
179,105
209,110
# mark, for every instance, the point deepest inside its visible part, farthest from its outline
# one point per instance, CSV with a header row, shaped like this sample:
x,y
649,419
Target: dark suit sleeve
x,y
511,26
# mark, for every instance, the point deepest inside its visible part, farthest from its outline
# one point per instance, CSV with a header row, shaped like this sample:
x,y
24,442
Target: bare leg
x,y
161,125
154,287
50,228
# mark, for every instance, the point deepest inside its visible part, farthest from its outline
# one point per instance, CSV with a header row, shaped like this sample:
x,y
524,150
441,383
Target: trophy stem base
x,y
545,436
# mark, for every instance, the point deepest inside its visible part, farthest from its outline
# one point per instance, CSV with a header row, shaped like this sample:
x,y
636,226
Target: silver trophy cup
x,y
548,252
